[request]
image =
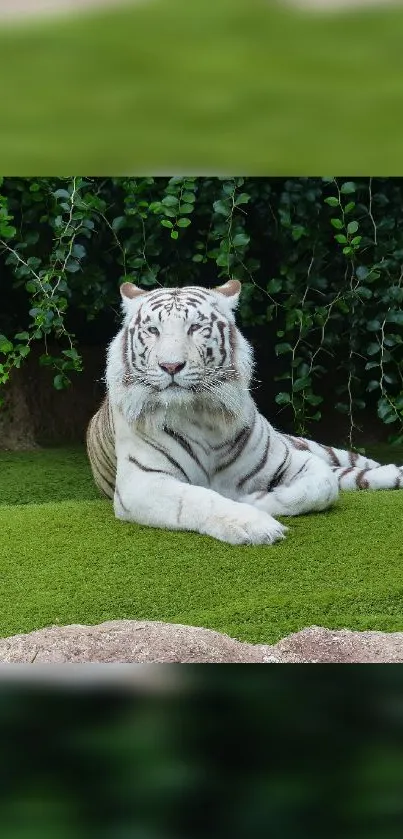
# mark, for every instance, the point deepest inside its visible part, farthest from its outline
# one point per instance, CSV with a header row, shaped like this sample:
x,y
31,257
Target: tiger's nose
x,y
172,368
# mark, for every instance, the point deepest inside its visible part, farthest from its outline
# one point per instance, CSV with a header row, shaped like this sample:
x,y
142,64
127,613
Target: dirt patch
x,y
139,642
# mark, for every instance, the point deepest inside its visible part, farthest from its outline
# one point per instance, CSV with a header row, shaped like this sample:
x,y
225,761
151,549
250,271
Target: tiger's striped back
x,y
101,449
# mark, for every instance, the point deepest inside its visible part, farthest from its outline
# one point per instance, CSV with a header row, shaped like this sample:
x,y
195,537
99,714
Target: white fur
x,y
175,448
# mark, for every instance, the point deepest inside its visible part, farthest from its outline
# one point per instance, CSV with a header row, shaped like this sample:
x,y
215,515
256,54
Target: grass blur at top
x,y
219,85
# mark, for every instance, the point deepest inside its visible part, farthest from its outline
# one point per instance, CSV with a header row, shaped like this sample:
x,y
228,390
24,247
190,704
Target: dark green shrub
x,y
320,260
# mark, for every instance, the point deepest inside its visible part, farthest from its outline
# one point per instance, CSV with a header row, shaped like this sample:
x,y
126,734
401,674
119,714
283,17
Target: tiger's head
x,y
178,346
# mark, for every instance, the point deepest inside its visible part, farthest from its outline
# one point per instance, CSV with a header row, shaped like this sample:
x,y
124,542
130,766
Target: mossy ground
x,y
65,559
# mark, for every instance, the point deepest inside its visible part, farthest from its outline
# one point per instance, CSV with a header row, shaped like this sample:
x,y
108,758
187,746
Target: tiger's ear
x,y
129,290
231,290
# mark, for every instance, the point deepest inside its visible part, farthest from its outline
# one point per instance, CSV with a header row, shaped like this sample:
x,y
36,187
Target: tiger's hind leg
x,y
309,486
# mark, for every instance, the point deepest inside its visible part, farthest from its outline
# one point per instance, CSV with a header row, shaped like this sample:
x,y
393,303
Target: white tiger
x,y
178,442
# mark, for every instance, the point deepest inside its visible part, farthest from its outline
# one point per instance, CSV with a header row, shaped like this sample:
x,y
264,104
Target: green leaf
x,y
332,201
273,286
174,234
337,223
395,316
298,232
313,399
5,345
352,227
348,188
283,398
301,384
72,266
24,351
372,349
198,257
221,208
59,381
22,336
356,240
189,197
361,272
363,291
384,408
373,385
341,238
118,223
170,201
240,240
62,193
183,222
166,223
186,208
71,354
280,349
222,260
243,198
349,207
78,251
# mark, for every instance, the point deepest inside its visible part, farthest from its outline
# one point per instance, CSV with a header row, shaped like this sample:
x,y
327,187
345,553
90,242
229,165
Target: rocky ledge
x,y
129,641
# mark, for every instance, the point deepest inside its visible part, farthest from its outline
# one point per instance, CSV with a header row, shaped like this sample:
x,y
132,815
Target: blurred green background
x,y
203,85
286,752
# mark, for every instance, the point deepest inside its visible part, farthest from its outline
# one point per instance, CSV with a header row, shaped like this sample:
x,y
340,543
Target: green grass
x,y
204,85
65,559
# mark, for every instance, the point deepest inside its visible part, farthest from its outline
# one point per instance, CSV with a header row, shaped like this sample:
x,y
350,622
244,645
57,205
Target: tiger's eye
x,y
153,330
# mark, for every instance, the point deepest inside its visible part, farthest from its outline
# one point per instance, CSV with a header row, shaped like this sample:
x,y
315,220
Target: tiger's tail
x,y
354,471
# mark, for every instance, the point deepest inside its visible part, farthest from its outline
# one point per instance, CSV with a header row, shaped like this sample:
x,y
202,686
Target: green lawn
x,y
204,85
65,559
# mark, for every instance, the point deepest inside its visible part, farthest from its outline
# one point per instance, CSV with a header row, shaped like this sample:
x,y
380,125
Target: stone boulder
x,y
129,641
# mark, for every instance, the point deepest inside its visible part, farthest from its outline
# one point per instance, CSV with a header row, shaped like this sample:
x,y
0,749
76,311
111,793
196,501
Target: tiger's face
x,y
181,341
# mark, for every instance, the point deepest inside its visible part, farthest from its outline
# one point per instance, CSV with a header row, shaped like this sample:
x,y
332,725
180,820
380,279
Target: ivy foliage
x,y
320,260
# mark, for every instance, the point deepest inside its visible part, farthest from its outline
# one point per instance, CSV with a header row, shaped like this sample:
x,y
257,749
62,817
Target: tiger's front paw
x,y
244,525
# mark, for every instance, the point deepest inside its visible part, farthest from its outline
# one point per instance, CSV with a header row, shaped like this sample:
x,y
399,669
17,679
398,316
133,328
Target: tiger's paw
x,y
246,526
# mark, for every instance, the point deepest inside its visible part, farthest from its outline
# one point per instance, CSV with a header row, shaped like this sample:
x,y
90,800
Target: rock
x,y
141,642
125,641
319,645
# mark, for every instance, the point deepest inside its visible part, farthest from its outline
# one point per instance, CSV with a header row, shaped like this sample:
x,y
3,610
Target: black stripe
x,y
119,497
186,446
147,468
301,469
221,329
101,475
279,473
172,460
207,449
237,445
259,465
